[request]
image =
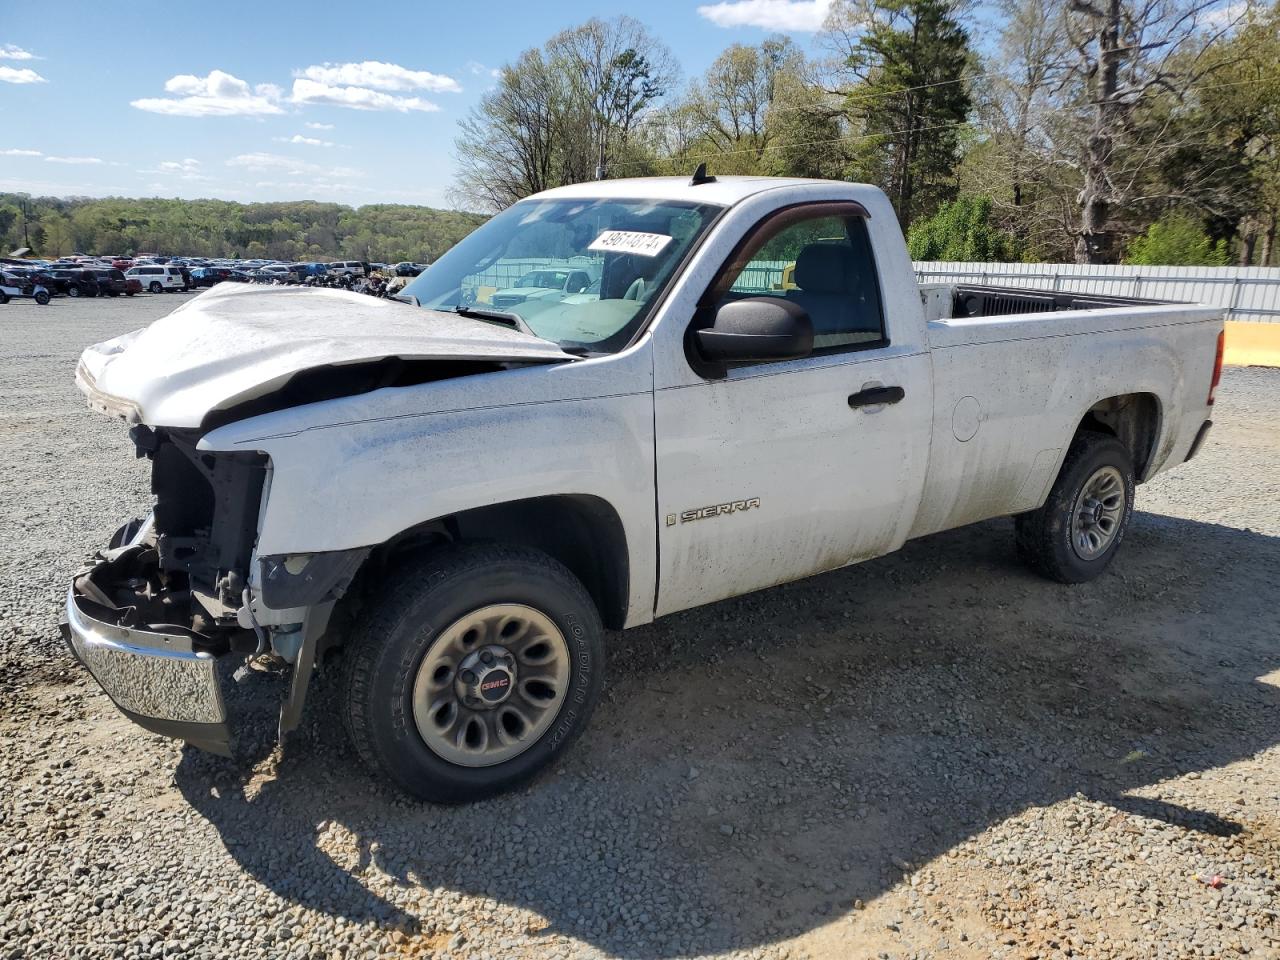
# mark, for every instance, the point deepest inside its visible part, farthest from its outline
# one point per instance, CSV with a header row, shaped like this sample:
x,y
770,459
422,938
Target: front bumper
x,y
156,679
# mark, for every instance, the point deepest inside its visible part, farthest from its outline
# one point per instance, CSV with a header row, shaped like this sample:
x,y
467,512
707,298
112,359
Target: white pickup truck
x,y
459,499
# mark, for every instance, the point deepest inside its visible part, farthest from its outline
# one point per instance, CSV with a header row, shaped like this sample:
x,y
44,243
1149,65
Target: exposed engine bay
x,y
187,568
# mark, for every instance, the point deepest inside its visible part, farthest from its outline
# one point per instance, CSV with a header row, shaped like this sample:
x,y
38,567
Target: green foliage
x,y
301,230
910,102
961,230
1176,240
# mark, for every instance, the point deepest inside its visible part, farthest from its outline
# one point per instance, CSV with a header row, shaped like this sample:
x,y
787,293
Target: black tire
x,y
155,287
408,615
1048,539
4,298
73,290
42,298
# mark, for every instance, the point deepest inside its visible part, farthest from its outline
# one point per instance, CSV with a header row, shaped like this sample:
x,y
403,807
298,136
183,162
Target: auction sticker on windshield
x,y
630,241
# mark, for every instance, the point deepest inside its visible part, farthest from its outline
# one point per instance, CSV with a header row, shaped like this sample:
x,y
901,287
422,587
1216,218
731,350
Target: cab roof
x,y
724,191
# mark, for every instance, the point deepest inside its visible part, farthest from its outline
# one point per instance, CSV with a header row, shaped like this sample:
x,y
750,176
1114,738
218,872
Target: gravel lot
x,y
935,754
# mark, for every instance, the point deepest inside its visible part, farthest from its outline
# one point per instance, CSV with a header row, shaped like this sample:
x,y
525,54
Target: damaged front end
x,y
153,613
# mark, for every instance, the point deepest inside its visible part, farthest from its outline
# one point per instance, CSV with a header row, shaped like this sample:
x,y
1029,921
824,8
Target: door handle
x,y
876,395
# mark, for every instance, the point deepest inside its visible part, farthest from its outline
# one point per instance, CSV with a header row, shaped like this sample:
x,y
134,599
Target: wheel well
x,y
1134,420
582,532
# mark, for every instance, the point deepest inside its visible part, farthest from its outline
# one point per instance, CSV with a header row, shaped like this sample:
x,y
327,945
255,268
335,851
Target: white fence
x,y
1247,293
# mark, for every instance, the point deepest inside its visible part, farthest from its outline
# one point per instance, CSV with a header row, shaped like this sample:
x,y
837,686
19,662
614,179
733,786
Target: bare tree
x,y
1126,53
618,70
560,114
729,105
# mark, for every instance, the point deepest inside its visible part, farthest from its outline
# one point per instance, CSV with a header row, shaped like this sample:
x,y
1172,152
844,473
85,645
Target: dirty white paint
x,y
990,406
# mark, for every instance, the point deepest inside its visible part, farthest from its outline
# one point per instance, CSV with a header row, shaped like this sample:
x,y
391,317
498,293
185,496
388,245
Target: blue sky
x,y
256,101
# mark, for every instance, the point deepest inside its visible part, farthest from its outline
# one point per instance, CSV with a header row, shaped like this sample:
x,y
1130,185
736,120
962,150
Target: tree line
x,y
1090,130
301,230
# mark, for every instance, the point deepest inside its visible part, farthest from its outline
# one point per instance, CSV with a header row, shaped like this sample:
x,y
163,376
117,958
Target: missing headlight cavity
x,y
206,510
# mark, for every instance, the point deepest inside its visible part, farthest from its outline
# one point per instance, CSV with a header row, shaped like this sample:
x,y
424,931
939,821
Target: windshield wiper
x,y
503,317
512,321
405,298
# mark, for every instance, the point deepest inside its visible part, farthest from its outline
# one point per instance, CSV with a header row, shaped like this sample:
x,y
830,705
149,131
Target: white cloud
x,y
314,187
23,75
11,51
75,160
318,126
1226,16
480,70
378,76
798,16
16,152
356,98
217,95
307,141
186,169
293,167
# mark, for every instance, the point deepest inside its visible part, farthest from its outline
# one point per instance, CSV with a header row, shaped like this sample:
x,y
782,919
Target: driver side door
x,y
778,470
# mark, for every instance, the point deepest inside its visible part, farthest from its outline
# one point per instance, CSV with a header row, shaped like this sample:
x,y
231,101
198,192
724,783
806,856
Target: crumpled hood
x,y
236,343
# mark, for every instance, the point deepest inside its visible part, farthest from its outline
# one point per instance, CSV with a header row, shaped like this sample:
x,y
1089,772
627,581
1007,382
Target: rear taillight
x,y
1217,370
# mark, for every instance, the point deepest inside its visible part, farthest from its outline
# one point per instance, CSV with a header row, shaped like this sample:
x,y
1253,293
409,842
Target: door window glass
x,y
823,264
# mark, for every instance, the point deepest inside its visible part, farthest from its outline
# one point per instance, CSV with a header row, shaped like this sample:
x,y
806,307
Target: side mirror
x,y
754,329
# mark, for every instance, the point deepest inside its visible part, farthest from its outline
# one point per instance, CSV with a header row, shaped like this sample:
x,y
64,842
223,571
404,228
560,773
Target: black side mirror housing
x,y
754,329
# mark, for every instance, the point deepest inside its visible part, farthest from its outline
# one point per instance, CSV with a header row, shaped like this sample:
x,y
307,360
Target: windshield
x,y
580,272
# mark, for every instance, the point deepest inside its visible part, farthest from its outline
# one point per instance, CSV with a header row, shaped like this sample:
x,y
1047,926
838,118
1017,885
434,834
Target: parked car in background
x,y
132,285
122,263
208,276
157,278
407,269
354,268
13,285
111,282
549,284
37,276
304,270
74,281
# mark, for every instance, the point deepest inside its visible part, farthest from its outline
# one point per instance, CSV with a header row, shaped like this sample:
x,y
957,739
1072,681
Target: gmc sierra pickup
x,y
459,496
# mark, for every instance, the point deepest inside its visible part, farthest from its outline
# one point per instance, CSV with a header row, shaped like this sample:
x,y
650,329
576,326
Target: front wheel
x,y
1075,535
42,297
155,287
476,668
4,298
73,291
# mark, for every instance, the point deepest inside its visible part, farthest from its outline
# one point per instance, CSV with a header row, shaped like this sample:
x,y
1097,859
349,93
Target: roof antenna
x,y
700,176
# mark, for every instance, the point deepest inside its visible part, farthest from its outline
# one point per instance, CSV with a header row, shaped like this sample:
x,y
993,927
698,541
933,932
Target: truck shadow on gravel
x,y
760,764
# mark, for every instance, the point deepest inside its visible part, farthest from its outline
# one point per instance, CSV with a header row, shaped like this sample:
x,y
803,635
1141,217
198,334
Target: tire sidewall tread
x,y
1043,536
426,596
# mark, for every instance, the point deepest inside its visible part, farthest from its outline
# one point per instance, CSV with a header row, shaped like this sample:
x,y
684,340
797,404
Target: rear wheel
x,y
73,290
1075,535
42,297
4,298
155,286
476,668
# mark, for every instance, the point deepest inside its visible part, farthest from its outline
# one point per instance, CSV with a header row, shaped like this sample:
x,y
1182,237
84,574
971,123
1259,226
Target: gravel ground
x,y
935,754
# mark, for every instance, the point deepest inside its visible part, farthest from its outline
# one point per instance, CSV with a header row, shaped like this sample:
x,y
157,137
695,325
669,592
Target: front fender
x,y
358,484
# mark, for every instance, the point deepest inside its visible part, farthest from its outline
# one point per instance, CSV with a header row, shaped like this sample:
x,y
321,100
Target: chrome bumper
x,y
156,679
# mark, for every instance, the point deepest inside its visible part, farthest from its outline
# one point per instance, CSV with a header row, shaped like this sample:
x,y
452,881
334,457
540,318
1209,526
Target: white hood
x,y
237,342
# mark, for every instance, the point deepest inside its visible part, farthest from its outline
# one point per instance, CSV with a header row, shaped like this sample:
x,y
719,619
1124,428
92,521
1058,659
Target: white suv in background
x,y
353,267
157,278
